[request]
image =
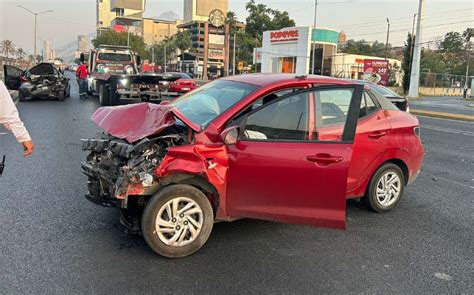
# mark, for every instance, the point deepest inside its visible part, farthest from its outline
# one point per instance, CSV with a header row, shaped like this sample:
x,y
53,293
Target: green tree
x,y
262,18
8,48
182,40
406,63
111,37
231,20
20,53
364,48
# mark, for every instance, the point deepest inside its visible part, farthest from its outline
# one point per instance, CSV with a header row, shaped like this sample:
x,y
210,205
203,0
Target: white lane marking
x,y
443,276
455,182
456,131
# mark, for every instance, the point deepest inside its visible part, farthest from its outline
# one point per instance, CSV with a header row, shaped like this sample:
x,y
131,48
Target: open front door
x,y
12,77
281,170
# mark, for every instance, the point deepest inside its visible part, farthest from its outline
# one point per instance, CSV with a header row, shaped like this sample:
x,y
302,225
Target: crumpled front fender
x,y
210,162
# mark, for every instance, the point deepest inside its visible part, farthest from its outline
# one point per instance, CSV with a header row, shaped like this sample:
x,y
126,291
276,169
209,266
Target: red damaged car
x,y
267,146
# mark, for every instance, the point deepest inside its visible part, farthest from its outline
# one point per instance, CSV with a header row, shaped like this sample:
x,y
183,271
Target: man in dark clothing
x,y
81,75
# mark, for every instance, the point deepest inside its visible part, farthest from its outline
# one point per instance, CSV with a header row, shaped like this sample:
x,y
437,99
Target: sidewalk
x,y
455,108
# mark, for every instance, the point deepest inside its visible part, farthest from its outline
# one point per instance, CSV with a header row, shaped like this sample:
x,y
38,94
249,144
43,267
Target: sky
x,y
359,19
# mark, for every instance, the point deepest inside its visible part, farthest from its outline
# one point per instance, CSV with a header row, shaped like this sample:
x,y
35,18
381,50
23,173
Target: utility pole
x,y
415,69
468,59
233,59
153,54
164,63
36,17
314,32
388,34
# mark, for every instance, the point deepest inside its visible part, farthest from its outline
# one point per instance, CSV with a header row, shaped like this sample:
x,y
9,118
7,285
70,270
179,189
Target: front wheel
x,y
177,221
386,188
104,95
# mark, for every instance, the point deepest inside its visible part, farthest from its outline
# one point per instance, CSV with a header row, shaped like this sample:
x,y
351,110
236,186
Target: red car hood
x,y
137,121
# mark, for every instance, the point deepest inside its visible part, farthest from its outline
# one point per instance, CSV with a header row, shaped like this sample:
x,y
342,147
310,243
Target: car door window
x,y
331,108
283,120
368,106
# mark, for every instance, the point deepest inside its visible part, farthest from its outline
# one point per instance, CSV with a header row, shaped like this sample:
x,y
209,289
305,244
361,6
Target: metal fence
x,y
443,84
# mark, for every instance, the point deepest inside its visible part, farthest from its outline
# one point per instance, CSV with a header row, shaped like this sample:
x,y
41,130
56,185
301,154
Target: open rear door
x,y
12,77
292,158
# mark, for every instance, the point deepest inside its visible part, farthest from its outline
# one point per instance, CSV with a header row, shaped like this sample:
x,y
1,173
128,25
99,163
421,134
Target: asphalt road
x,y
447,104
54,241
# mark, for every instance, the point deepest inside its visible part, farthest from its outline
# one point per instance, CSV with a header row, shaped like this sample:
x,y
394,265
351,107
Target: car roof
x,y
263,79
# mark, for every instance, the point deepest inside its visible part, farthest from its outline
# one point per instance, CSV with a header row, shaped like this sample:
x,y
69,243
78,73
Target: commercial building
x,y
48,53
199,10
104,15
128,15
155,30
290,50
120,15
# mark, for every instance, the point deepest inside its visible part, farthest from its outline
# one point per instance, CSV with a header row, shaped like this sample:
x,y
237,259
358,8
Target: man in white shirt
x,y
10,119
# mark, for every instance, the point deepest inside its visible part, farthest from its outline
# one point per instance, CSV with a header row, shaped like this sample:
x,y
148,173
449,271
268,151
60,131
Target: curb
x,y
443,115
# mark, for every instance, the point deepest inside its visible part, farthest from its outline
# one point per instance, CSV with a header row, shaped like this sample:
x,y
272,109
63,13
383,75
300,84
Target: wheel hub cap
x,y
388,189
179,222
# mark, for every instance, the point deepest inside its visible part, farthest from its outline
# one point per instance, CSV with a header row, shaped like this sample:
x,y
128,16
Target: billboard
x,y
216,39
257,55
376,71
216,54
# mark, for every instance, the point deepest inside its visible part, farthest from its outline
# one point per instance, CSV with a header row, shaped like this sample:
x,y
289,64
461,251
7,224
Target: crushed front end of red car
x,y
122,161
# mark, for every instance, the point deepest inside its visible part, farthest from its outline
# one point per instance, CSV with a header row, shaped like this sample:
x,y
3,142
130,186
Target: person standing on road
x,y
11,120
81,75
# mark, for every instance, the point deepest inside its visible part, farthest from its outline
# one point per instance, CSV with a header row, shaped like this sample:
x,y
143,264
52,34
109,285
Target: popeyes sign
x,y
285,36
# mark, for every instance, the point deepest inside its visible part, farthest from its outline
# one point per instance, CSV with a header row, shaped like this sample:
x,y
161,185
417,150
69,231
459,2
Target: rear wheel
x,y
177,221
386,188
104,95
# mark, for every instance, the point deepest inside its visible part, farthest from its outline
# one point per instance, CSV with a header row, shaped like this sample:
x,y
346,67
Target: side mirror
x,y
139,60
230,135
83,58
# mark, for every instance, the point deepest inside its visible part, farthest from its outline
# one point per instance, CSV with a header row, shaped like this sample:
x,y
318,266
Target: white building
x,y
290,50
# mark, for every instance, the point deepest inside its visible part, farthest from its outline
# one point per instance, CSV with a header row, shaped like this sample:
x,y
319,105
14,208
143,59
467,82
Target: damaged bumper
x,y
117,169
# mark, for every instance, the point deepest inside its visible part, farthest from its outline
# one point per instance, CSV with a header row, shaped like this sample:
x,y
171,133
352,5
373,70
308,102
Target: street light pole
x,y
36,17
415,69
233,58
386,42
314,31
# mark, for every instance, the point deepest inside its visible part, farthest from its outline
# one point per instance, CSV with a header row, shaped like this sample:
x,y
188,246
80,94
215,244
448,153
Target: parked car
x,y
41,81
184,84
276,147
398,100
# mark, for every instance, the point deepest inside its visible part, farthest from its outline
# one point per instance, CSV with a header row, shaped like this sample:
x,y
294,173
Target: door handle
x,y
377,134
325,159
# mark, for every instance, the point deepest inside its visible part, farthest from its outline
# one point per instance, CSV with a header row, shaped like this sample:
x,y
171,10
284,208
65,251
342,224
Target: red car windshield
x,y
204,104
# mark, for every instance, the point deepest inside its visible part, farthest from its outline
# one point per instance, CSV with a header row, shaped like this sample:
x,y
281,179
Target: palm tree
x,y
231,20
182,40
20,53
7,47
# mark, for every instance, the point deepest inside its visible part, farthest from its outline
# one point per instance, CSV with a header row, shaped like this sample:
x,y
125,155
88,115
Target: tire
x,y
104,95
113,96
162,241
61,95
388,197
21,96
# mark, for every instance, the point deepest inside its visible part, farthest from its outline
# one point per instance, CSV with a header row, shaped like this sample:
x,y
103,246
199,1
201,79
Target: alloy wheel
x,y
388,188
179,222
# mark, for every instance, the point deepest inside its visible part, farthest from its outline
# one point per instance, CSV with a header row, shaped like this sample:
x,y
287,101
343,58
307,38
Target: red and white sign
x,y
286,36
257,55
376,71
216,53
